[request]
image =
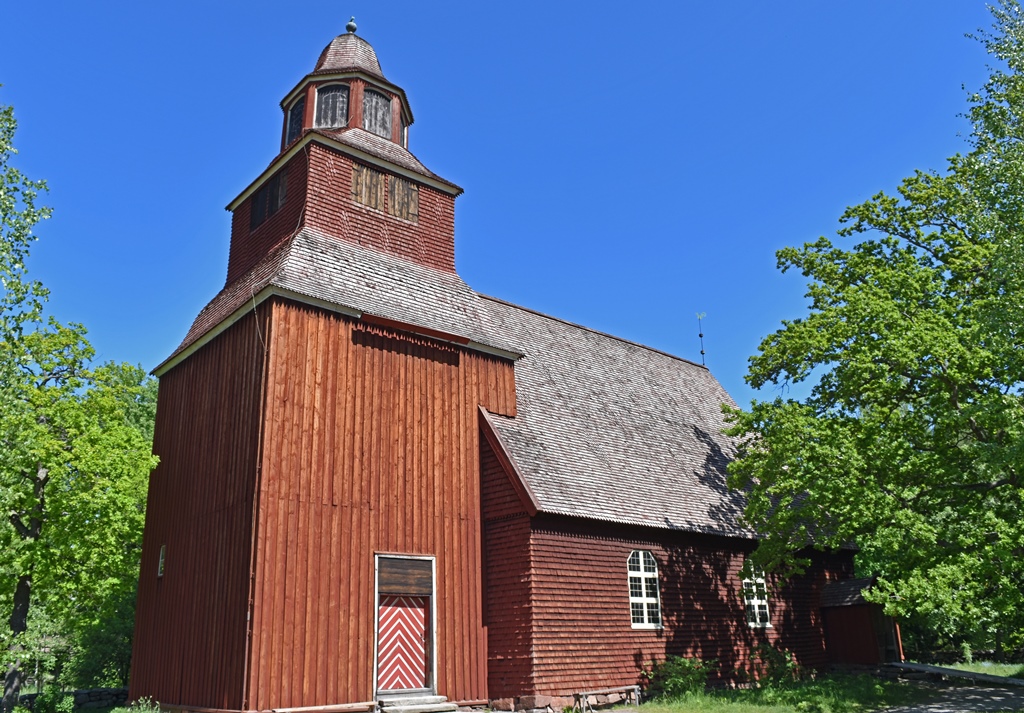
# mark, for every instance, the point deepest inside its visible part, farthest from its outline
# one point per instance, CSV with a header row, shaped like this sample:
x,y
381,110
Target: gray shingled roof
x,y
348,52
845,592
611,430
605,429
369,281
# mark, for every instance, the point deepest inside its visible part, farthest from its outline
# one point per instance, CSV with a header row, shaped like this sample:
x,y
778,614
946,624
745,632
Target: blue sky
x,y
625,168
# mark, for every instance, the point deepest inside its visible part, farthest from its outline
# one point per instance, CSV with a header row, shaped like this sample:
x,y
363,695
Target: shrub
x,y
777,665
677,676
54,700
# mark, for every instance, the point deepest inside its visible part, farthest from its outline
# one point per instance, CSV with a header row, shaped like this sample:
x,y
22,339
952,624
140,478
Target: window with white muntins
x,y
644,601
755,600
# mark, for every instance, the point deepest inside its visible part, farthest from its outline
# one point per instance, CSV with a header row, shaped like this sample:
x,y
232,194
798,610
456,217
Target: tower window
x,y
377,113
403,199
295,116
268,199
331,106
368,186
644,600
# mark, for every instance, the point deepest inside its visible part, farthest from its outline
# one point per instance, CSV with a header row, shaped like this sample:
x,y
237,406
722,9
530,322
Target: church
x,y
376,484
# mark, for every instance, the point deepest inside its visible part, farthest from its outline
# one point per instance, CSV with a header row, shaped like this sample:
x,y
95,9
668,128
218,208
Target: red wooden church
x,y
376,482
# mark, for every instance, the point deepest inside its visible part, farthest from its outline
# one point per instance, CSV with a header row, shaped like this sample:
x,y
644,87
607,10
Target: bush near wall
x,y
87,698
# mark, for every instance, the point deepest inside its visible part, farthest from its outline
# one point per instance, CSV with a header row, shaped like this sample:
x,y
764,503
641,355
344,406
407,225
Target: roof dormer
x,y
347,90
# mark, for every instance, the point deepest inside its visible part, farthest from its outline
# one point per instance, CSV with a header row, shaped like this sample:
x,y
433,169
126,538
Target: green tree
x,y
75,452
911,442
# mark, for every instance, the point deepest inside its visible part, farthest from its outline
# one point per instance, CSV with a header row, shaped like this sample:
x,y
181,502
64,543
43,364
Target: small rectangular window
x,y
403,199
163,558
368,186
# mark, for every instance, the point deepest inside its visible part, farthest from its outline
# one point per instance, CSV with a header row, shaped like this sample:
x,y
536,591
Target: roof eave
x,y
275,290
508,464
311,137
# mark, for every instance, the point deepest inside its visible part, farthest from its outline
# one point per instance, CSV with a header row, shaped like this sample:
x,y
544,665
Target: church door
x,y
405,587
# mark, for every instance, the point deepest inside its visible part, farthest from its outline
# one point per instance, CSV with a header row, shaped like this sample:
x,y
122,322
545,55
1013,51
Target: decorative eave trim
x,y
501,452
273,290
311,137
353,74
439,185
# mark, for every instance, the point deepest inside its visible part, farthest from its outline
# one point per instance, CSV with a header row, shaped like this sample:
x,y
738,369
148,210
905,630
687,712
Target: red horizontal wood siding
x,y
371,446
582,636
190,627
330,208
507,608
249,246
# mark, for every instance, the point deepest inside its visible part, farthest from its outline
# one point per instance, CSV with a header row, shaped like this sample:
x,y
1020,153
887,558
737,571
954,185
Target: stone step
x,y
417,704
422,708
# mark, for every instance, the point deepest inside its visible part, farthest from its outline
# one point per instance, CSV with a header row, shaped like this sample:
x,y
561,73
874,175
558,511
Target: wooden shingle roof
x,y
320,269
605,429
346,53
611,430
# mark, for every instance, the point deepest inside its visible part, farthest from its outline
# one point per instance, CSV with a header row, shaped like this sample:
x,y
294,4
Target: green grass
x,y
1011,670
830,694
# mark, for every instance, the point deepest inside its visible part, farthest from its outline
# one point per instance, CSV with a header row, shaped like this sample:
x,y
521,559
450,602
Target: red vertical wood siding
x,y
580,631
190,627
508,614
371,446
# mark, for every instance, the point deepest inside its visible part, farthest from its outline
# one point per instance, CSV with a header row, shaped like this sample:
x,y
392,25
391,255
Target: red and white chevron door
x,y
402,643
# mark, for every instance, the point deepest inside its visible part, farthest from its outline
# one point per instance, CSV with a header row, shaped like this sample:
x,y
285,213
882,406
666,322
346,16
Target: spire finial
x,y
351,26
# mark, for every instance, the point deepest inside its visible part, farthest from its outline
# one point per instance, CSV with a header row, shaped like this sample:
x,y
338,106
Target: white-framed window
x,y
644,600
755,601
331,106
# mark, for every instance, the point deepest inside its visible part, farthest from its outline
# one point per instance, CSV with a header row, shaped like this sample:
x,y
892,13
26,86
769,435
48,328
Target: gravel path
x,y
967,699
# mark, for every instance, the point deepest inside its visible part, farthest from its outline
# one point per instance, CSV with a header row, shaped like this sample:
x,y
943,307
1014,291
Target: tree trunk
x,y
18,623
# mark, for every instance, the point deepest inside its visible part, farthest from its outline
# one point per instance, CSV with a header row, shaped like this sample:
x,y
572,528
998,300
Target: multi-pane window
x,y
403,199
377,113
755,601
644,602
295,116
368,186
268,199
331,106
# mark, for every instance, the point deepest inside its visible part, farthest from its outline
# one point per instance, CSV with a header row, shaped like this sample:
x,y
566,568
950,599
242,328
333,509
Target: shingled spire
x,y
345,169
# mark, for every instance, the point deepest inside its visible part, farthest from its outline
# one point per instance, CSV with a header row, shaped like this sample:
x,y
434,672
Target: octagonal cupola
x,y
347,90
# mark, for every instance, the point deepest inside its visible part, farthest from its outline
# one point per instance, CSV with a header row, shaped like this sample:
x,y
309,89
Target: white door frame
x,y
431,628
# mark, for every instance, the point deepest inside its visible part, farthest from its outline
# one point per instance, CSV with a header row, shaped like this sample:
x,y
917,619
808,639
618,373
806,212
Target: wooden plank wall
x,y
581,631
372,445
508,613
190,626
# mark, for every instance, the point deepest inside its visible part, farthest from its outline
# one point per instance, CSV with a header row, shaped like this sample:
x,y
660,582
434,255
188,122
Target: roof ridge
x,y
594,331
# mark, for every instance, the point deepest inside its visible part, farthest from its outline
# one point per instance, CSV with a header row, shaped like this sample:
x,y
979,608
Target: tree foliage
x,y
911,442
75,453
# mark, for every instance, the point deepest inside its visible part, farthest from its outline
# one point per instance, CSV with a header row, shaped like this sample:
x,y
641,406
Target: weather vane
x,y
700,333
